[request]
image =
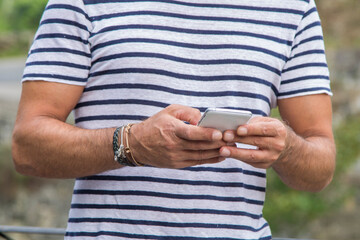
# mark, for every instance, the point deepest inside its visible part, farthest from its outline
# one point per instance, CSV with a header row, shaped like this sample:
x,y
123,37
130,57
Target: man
x,y
159,64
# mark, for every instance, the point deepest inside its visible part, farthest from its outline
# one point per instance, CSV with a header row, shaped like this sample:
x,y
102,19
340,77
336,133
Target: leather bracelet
x,y
119,149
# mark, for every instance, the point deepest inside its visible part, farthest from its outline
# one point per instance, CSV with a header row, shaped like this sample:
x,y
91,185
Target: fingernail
x,y
242,131
225,152
216,135
229,136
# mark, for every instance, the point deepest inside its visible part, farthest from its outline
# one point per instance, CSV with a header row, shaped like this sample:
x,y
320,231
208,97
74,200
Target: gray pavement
x,y
11,70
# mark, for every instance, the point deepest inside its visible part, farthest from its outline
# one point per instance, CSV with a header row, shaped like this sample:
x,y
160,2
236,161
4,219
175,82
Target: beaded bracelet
x,y
119,149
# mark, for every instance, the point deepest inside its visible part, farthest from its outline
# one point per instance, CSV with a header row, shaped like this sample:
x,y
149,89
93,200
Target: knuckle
x,y
170,147
281,130
172,106
252,156
197,111
273,159
169,108
172,158
265,130
257,142
281,146
188,133
277,146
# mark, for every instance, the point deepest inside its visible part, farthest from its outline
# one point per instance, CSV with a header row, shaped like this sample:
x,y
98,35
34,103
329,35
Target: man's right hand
x,y
44,145
165,140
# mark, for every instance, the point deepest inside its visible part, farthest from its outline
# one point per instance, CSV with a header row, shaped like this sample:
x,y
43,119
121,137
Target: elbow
x,y
320,179
316,188
312,186
325,172
21,160
330,170
22,166
324,182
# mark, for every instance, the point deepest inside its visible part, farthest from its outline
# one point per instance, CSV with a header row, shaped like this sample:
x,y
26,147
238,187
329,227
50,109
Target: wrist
x,y
134,141
290,144
128,147
121,147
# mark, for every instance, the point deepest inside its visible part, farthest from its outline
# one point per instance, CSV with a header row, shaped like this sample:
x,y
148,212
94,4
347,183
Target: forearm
x,y
308,163
48,147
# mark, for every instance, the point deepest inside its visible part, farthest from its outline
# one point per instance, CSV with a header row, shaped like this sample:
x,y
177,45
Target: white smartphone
x,y
224,119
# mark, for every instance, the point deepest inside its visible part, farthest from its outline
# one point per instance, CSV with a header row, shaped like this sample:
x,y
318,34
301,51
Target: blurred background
x,y
331,214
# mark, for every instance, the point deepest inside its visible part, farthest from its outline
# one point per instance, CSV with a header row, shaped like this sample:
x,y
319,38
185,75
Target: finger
x,y
201,155
191,158
205,161
261,128
185,113
202,145
229,135
269,143
262,165
249,156
195,133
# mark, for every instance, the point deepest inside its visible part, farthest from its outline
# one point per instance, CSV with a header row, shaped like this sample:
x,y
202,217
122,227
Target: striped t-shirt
x,y
134,58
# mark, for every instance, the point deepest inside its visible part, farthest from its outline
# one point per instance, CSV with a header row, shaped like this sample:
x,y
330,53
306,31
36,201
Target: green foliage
x,y
17,15
347,137
26,14
340,21
14,44
19,20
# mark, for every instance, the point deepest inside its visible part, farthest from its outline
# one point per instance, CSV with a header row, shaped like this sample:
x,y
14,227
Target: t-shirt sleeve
x,y
306,71
60,51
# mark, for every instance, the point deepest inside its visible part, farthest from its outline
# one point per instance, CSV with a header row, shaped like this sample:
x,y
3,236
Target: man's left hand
x,y
270,135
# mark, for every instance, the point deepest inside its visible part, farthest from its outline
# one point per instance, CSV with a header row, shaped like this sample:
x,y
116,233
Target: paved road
x,y
11,70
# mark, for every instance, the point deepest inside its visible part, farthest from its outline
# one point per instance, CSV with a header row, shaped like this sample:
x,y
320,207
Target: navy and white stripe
x,y
136,57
